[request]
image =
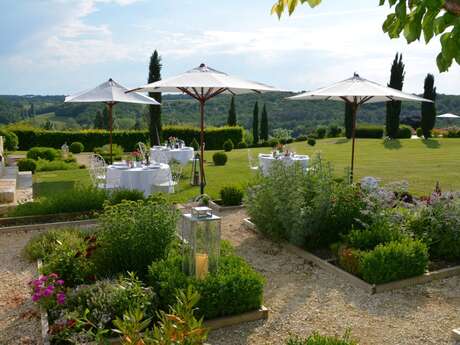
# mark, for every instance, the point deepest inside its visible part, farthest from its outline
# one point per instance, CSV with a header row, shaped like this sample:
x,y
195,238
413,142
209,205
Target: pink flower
x,y
43,278
48,291
53,275
35,297
60,298
59,282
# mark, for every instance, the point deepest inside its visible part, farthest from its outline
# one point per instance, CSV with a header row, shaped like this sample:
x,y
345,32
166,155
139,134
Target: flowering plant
x,y
48,290
137,156
172,141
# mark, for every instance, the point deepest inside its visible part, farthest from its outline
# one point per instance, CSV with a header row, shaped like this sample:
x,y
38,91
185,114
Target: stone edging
x,y
42,226
355,281
218,208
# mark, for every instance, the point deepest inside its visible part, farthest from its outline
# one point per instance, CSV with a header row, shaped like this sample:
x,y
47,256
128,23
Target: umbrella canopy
x,y
204,83
448,116
357,91
110,93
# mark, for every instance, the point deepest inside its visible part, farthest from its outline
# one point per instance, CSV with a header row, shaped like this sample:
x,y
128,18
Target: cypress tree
x,y
231,120
264,124
98,120
105,118
255,123
428,109
348,124
155,110
393,108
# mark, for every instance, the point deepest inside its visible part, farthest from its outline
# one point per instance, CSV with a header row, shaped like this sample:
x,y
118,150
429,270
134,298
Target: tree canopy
x,y
412,18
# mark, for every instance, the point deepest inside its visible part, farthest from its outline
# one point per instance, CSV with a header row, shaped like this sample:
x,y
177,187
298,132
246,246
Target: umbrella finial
x,y
202,65
355,75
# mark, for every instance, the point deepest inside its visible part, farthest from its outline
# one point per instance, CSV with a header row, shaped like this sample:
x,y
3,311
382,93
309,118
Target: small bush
x,y
289,140
45,165
334,131
394,261
378,233
76,147
404,132
231,195
195,145
46,153
242,145
317,339
11,140
321,132
26,164
120,195
369,131
311,141
273,142
228,145
133,234
301,138
219,158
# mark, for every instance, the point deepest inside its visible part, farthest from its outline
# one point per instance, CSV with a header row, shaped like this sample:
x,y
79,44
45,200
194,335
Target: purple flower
x,y
59,282
60,298
35,297
48,291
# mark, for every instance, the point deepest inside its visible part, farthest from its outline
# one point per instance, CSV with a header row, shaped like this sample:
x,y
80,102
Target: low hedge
x,y
128,139
404,132
236,287
47,153
369,131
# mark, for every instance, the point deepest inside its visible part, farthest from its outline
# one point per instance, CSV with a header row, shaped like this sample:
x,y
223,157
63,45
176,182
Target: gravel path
x,y
19,318
302,298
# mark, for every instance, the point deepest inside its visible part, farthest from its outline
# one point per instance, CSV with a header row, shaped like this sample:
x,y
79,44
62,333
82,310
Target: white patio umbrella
x,y
356,91
110,93
203,83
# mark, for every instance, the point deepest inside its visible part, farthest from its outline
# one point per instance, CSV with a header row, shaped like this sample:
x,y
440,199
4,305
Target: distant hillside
x,y
296,115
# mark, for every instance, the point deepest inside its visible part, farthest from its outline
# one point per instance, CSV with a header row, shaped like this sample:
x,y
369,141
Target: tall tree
x,y
348,123
264,124
255,123
155,110
394,107
412,18
428,109
231,120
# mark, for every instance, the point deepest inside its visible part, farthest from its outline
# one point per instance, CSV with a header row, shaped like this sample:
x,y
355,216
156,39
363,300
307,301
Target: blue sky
x,y
63,46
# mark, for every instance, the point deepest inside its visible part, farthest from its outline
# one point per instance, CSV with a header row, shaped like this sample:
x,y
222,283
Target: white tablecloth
x,y
266,160
162,154
141,179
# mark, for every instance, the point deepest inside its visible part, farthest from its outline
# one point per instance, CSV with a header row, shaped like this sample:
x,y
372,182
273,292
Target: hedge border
x,y
358,282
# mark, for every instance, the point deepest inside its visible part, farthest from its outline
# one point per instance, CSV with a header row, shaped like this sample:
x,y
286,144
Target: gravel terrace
x,y
301,299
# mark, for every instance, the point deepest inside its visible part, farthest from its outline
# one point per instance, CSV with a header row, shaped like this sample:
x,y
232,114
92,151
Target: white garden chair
x,y
253,164
170,186
98,172
143,150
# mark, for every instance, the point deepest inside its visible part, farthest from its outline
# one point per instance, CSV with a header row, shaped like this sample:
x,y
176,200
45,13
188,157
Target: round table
x,y
266,161
141,178
161,154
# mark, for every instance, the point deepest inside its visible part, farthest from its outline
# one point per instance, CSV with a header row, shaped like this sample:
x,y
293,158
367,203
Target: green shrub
x,y
104,151
404,132
46,153
133,234
26,164
81,199
438,225
120,195
273,142
236,288
76,147
321,132
289,140
317,339
219,158
311,141
45,165
195,145
369,131
231,195
369,238
394,261
301,138
228,145
242,145
334,131
419,132
10,141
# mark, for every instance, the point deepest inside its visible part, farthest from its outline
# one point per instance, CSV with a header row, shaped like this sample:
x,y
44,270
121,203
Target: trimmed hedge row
x,y
369,131
214,137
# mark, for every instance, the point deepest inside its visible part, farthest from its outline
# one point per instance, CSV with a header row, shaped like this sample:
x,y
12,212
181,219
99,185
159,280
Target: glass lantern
x,y
65,150
201,242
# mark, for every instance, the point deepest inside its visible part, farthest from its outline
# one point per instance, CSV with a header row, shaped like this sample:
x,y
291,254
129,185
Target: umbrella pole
x,y
202,178
110,105
353,135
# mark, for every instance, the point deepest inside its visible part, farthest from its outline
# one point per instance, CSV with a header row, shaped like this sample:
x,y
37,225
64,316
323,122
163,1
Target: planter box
x,y
358,282
220,208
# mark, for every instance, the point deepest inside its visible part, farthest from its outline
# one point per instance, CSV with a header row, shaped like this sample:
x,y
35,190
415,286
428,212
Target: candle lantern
x,y
201,241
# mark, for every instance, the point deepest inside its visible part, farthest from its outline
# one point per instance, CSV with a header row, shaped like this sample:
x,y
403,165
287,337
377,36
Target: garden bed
x,y
45,218
328,265
218,206
45,226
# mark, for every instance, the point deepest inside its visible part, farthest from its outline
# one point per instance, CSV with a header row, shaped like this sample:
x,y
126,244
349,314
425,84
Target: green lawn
x,y
419,162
